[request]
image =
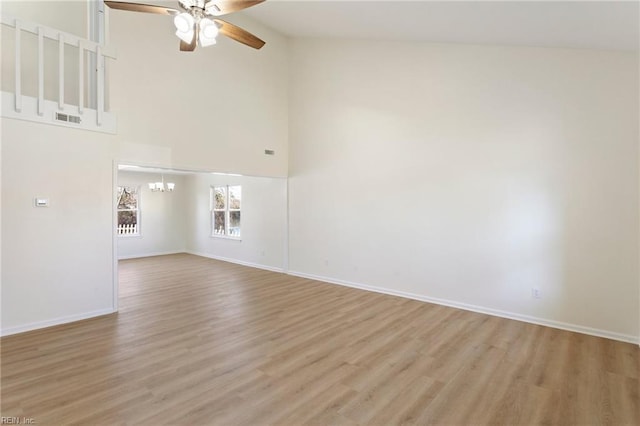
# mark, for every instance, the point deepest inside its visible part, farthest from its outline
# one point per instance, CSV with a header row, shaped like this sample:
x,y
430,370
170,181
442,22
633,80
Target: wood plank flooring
x,y
198,341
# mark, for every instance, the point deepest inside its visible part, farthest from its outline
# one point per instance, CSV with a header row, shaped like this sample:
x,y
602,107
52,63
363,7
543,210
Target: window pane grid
x,y
128,211
226,211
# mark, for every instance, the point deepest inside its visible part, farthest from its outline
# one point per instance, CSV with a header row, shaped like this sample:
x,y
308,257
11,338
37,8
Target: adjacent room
x,y
292,212
224,216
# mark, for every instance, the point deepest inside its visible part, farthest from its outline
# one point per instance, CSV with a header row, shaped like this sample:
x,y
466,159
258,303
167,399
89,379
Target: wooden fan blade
x,y
238,34
188,47
222,7
138,7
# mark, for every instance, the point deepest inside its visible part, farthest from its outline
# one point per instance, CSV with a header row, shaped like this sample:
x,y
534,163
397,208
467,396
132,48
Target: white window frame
x,y
138,232
227,213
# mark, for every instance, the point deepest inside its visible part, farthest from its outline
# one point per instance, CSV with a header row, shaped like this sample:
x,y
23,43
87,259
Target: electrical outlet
x,y
535,293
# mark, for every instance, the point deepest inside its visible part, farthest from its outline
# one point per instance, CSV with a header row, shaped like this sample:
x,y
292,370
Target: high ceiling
x,y
573,24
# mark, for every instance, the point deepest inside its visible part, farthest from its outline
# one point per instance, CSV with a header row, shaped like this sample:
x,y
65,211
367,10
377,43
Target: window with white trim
x,y
128,211
226,203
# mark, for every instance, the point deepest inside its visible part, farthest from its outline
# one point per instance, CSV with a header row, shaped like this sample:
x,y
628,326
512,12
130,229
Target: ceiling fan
x,y
198,22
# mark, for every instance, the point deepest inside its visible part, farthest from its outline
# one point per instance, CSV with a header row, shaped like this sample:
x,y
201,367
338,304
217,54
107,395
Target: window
x,y
225,211
128,211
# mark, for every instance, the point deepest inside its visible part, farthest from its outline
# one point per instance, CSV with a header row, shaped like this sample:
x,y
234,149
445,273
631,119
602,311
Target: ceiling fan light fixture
x,y
184,22
208,32
204,42
187,21
186,37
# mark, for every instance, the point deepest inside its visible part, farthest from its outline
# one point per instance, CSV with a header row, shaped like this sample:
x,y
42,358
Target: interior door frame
x,y
114,231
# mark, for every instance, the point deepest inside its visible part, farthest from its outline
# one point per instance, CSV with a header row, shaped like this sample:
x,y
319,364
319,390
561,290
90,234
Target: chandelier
x,y
160,186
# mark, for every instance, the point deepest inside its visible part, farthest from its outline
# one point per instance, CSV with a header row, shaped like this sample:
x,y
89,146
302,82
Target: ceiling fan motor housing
x,y
191,4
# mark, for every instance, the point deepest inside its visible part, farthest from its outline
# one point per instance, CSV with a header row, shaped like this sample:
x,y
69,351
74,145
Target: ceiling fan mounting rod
x,y
203,5
197,13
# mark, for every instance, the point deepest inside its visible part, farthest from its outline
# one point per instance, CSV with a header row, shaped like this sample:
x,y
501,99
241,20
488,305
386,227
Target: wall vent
x,y
67,118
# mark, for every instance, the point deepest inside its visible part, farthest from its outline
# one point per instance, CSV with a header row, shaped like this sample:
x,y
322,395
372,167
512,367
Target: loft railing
x,y
20,106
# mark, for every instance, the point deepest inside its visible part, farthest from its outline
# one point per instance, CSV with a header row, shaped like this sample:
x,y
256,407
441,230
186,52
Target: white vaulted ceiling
x,y
572,24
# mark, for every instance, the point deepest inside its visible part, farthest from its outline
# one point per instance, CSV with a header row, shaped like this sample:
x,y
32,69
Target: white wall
x,y
468,175
162,217
463,173
217,108
56,260
263,221
67,16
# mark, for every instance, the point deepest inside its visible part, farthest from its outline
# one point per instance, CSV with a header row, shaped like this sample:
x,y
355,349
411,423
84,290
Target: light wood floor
x,y
199,341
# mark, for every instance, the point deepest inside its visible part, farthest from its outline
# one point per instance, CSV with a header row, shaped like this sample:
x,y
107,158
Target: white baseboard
x,y
56,321
474,308
155,253
468,307
239,262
